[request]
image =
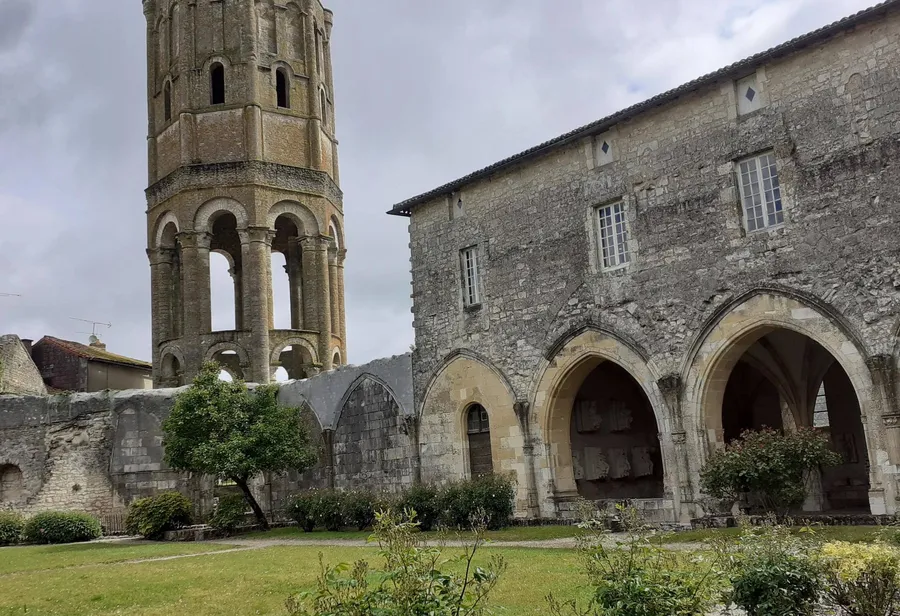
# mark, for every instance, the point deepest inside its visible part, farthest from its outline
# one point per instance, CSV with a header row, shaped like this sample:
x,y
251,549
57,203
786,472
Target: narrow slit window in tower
x,y
167,100
217,83
281,85
324,104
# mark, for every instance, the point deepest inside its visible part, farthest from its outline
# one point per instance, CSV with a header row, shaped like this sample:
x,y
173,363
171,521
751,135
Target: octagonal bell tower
x,y
242,162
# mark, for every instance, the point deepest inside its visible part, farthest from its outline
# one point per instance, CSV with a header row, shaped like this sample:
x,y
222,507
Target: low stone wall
x,y
98,452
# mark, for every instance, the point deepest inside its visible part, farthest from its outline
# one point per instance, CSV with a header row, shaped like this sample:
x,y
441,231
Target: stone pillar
x,y
295,280
324,301
882,433
195,267
315,82
308,283
237,278
270,294
341,307
334,299
672,387
161,284
256,248
522,409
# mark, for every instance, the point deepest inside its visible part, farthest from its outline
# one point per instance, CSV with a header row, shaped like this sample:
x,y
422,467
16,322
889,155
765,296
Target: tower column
x,y
161,286
195,265
318,247
334,299
342,315
295,279
256,250
309,284
237,277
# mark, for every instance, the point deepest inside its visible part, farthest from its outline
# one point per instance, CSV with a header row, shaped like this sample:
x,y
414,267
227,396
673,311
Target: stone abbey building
x,y
593,316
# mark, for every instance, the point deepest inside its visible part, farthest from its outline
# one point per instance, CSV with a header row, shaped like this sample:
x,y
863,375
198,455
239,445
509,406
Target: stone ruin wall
x,y
98,452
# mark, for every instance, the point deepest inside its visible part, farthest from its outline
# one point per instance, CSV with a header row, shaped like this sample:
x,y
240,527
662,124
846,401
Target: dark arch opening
x,y
616,452
171,372
478,427
217,84
281,87
785,380
167,101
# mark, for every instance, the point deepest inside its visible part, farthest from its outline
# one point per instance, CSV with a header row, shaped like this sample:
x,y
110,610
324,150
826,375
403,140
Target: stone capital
x,y
317,243
198,240
161,256
256,235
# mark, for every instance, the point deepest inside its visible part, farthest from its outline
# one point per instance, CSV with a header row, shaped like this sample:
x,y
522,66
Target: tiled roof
x,y
737,69
93,353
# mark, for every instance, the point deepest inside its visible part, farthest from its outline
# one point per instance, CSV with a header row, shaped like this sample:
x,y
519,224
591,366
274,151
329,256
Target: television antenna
x,y
10,295
94,325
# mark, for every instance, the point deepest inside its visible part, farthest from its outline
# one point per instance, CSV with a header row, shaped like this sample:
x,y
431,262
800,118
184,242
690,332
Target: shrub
x,y
61,527
359,509
11,527
426,502
638,577
862,580
302,509
230,513
489,500
151,517
329,510
774,573
768,467
411,582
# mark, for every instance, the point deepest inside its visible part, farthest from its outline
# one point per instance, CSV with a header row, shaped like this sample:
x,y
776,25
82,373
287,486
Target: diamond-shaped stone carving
x,y
751,94
605,148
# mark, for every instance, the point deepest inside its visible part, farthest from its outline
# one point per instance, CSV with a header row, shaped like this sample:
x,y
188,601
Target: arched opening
x,y
230,362
478,428
333,231
616,451
172,373
282,89
12,486
287,275
167,100
323,104
217,84
225,267
782,379
296,361
336,359
281,375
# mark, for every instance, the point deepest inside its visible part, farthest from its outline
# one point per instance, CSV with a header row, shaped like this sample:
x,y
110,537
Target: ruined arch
x,y
462,380
572,364
297,361
171,365
212,209
232,357
298,213
293,342
766,316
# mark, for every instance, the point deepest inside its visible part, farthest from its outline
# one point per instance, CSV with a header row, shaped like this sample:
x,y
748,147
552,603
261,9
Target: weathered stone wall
x,y
18,374
830,114
98,452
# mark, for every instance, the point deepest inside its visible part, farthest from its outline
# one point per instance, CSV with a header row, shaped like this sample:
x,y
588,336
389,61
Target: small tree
x,y
220,428
768,467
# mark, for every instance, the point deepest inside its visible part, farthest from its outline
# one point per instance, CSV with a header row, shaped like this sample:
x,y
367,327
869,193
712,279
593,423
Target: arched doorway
x,y
615,444
782,379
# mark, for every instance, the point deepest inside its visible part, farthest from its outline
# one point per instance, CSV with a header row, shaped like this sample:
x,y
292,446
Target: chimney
x,y
27,344
96,344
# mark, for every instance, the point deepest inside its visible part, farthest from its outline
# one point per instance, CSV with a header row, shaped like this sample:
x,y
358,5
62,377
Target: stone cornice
x,y
283,177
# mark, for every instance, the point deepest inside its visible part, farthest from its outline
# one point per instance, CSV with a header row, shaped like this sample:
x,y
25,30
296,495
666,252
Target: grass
x,y
250,582
44,557
516,533
852,534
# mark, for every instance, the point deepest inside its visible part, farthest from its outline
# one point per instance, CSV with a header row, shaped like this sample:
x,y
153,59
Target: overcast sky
x,y
427,91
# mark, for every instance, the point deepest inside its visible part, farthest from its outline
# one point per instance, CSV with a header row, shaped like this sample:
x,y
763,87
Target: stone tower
x,y
242,162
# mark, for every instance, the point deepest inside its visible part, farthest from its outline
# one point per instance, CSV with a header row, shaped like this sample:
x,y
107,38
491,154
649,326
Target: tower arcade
x,y
243,162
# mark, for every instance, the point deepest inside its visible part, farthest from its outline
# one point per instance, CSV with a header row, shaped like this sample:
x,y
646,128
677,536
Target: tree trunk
x,y
257,510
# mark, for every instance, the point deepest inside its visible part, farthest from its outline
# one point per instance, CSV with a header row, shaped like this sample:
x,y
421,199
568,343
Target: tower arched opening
x,y
172,371
287,275
230,362
217,84
282,89
225,262
780,379
297,362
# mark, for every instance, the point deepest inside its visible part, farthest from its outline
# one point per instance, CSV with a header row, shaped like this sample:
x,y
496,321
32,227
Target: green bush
x,y
775,573
302,509
231,512
11,527
426,502
862,580
488,500
767,467
61,527
410,583
359,509
330,510
151,517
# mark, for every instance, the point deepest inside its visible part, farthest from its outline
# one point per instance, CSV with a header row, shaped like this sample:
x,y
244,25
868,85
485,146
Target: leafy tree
x,y
221,428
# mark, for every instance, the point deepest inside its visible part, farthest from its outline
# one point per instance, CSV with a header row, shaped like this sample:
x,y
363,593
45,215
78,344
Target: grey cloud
x,y
15,16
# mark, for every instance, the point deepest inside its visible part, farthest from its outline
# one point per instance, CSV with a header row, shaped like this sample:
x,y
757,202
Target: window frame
x,y
617,236
282,89
213,69
778,209
473,295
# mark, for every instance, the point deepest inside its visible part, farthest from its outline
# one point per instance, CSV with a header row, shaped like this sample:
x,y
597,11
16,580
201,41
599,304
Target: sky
x,y
426,92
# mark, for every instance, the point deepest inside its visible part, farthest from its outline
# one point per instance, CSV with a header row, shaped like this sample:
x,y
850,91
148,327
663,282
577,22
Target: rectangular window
x,y
613,231
471,276
761,192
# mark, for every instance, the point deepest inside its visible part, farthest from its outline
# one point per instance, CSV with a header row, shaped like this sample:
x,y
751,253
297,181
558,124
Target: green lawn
x,y
249,582
853,534
37,558
516,533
